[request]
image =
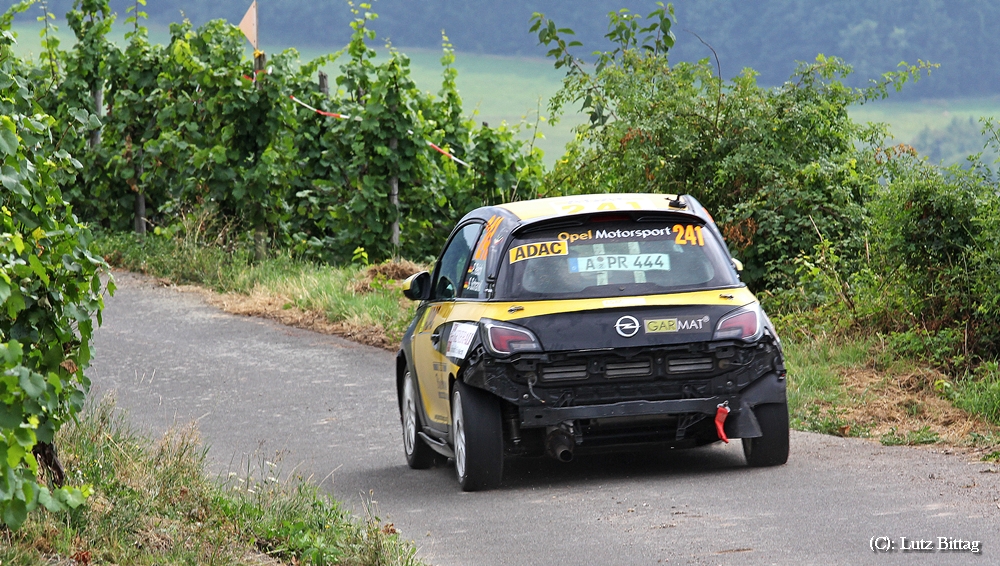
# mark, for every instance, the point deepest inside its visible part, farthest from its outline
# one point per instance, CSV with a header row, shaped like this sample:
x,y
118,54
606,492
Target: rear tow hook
x,y
720,420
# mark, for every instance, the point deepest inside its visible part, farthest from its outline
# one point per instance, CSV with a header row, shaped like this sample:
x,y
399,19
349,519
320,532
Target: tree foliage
x,y
931,269
780,167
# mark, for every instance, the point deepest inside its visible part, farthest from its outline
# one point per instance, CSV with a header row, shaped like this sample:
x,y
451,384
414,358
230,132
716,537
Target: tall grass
x,y
815,388
153,503
980,393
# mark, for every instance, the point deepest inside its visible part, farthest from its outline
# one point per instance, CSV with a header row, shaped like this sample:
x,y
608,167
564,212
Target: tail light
x,y
743,324
503,339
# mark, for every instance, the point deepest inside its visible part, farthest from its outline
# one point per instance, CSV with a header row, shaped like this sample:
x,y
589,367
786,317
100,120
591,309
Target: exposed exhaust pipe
x,y
559,444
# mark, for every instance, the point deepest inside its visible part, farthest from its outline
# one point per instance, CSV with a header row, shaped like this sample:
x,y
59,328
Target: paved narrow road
x,y
327,407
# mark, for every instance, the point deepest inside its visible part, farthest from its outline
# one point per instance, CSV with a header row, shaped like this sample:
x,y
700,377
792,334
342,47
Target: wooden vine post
x,y
140,197
394,197
97,92
248,25
260,231
324,84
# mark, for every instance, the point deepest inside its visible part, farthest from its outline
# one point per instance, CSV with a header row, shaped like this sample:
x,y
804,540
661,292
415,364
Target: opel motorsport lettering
x,y
587,323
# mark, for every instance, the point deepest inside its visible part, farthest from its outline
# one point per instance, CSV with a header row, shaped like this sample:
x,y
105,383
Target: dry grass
x,y
279,301
900,407
265,304
396,271
907,403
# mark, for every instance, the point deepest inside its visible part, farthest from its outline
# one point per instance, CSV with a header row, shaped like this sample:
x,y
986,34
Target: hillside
x,y
767,35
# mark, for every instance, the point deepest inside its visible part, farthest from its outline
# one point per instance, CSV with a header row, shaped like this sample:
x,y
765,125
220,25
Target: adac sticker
x,y
539,249
679,324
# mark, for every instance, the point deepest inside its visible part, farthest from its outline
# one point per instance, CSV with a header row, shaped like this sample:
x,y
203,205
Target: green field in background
x,y
908,119
515,89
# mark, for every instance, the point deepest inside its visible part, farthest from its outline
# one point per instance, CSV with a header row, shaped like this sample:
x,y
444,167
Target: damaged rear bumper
x,y
741,422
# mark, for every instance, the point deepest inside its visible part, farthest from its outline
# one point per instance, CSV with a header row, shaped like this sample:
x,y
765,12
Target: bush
x,y
930,273
50,289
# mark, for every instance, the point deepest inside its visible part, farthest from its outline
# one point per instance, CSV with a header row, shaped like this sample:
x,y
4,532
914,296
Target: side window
x,y
475,275
454,262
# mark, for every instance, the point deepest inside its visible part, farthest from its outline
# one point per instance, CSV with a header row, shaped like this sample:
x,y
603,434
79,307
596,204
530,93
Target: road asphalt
x,y
325,408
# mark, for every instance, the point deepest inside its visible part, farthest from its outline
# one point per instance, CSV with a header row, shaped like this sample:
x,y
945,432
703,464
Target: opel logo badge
x,y
627,326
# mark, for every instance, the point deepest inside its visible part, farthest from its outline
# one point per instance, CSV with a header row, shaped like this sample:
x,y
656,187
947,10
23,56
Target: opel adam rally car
x,y
587,323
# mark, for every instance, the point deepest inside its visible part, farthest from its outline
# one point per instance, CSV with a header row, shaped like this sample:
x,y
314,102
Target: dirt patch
x,y
906,404
385,275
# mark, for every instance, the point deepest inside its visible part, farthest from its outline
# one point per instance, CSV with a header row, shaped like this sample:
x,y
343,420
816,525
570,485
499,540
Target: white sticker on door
x,y
460,338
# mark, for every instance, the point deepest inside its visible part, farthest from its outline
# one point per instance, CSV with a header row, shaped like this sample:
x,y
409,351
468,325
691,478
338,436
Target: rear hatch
x,y
619,259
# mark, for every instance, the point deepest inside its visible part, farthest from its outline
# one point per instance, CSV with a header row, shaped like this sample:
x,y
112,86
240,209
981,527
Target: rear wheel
x,y
770,449
419,456
477,437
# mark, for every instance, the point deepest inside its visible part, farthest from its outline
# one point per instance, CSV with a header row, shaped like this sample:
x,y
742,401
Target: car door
x,y
450,284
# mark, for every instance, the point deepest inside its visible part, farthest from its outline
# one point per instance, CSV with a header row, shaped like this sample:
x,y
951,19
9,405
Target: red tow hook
x,y
720,420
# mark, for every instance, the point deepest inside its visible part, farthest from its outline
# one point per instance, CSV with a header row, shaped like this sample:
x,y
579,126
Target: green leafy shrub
x,y
340,196
930,272
943,349
780,168
50,289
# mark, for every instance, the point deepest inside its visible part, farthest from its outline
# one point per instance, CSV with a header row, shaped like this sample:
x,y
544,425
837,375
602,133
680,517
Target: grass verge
x,y
856,387
153,503
360,302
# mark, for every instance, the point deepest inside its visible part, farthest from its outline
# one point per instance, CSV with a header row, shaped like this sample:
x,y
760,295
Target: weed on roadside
x,y
924,435
992,457
830,421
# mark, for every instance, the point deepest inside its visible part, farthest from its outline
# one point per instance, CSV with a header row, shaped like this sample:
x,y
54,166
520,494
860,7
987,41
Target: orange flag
x,y
248,25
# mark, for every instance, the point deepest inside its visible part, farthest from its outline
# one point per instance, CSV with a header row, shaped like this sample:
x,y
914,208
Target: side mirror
x,y
737,264
417,287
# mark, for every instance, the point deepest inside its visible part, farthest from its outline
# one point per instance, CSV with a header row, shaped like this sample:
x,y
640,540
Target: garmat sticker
x,y
679,324
536,250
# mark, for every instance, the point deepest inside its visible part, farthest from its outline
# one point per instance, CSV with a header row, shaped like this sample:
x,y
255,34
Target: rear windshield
x,y
613,259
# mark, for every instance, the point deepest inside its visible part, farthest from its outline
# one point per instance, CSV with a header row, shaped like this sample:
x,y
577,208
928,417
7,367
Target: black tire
x,y
771,449
419,455
477,438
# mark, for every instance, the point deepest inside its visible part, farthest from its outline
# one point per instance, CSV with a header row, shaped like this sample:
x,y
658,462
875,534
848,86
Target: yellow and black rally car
x,y
586,323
